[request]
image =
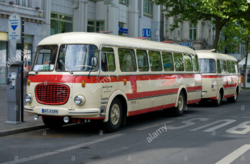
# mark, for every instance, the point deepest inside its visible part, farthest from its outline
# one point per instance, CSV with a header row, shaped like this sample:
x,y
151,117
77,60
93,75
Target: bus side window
x,y
178,62
188,63
232,67
195,63
218,66
127,60
228,67
142,60
155,61
167,61
108,60
225,66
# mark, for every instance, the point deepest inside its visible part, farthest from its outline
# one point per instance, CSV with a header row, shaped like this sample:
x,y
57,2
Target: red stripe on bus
x,y
104,79
226,96
146,110
151,93
216,76
193,101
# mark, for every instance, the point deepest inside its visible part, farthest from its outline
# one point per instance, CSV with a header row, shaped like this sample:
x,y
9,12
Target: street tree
x,y
219,12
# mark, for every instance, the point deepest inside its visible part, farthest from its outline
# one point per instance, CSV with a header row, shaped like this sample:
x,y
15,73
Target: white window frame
x,y
149,12
193,28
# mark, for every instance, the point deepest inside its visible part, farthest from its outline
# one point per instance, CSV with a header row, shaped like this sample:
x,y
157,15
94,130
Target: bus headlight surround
x,y
28,98
79,100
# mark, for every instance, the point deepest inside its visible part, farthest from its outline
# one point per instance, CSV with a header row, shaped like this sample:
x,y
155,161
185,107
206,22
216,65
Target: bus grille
x,y
52,94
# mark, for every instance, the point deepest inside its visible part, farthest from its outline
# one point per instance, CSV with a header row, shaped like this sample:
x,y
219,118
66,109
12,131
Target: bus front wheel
x,y
53,123
115,116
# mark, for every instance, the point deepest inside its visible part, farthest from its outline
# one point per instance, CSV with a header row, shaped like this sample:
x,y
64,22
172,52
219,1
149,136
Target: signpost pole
x,y
22,53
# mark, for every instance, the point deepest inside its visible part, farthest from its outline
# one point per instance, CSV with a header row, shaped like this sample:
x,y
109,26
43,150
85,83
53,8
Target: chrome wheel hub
x,y
180,103
115,114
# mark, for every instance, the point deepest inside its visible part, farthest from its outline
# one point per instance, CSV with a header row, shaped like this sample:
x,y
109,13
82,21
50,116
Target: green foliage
x,y
236,33
219,12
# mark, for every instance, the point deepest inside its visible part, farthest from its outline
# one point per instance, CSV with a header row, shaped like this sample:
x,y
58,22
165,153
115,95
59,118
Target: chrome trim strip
x,y
81,112
28,109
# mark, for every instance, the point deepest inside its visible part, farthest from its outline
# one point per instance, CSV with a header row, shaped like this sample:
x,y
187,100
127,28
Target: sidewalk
x,y
7,129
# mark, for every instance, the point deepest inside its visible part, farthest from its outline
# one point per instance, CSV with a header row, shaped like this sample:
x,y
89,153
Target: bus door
x,y
108,78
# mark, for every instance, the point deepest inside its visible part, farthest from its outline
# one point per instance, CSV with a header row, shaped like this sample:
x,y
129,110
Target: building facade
x,y
198,36
131,18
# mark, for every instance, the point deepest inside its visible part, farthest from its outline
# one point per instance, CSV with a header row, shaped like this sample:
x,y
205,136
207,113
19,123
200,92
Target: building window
x,y
209,36
60,23
148,8
181,31
124,2
120,26
26,3
174,32
95,26
202,30
192,32
166,26
17,2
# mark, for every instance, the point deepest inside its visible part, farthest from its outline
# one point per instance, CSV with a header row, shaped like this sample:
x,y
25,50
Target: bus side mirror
x,y
94,61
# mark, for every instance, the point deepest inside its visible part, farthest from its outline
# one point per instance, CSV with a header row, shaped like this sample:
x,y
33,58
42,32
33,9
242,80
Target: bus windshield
x,y
45,58
207,65
76,57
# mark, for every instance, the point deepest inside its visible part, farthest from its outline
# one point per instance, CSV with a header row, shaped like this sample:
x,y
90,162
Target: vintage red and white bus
x,y
88,76
220,76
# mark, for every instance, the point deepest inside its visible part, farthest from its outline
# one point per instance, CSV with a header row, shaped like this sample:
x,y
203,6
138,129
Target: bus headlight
x,y
28,98
79,100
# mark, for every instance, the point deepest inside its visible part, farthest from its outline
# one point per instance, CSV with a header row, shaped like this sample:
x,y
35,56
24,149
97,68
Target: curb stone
x,y
21,130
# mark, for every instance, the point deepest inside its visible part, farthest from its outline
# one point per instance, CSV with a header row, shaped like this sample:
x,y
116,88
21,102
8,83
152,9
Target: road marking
x,y
241,126
185,117
234,155
187,123
245,117
63,150
216,127
155,125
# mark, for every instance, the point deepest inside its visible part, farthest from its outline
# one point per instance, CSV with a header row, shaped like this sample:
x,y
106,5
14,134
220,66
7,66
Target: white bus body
x,y
132,77
220,76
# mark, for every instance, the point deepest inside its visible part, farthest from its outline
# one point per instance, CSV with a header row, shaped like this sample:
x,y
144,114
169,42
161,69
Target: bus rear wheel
x,y
115,116
234,98
218,100
53,123
181,105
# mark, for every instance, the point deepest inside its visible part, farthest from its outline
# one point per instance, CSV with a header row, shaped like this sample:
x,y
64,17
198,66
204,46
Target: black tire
x,y
218,101
53,123
181,106
234,98
115,117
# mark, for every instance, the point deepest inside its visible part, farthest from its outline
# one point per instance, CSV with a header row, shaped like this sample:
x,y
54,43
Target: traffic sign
x,y
14,27
146,32
185,44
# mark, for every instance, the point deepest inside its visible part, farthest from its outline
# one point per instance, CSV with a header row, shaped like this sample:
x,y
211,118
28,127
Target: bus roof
x,y
209,54
100,39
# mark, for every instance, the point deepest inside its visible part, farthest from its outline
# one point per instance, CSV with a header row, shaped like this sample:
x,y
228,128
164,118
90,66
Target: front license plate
x,y
50,111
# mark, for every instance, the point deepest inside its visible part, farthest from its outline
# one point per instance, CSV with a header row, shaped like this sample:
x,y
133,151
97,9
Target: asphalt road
x,y
204,135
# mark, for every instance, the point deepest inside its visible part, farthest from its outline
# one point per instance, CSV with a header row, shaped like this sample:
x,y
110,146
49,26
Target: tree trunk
x,y
245,67
217,33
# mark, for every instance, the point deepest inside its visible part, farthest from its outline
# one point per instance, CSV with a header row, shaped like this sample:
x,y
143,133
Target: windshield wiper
x,y
65,66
